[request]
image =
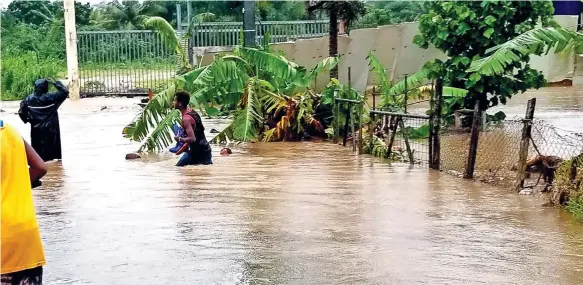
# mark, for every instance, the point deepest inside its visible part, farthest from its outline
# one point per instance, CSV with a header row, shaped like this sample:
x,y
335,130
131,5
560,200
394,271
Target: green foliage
x,y
389,12
531,42
575,206
379,147
421,132
466,30
393,96
19,73
42,12
270,93
349,11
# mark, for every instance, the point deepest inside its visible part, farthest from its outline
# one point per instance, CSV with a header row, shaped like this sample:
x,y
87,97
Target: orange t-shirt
x,y
21,244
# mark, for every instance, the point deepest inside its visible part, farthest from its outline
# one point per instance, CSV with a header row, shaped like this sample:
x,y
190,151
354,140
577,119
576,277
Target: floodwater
x,y
283,213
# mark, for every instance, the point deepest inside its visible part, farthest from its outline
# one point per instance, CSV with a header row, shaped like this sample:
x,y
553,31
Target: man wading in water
x,y
40,110
196,148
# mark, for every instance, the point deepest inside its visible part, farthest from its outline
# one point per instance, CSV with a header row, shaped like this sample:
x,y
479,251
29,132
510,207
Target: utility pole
x,y
71,48
249,23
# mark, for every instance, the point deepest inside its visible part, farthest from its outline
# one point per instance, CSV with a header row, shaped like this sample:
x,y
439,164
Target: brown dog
x,y
544,165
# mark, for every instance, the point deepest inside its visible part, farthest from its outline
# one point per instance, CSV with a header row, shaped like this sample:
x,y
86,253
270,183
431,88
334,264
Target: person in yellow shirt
x,y
21,249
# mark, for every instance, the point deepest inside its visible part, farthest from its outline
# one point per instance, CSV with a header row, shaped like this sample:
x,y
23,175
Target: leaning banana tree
x,y
172,39
273,98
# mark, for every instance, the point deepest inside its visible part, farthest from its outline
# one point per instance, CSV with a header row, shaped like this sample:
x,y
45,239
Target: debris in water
x,y
103,108
2,111
525,192
132,156
214,131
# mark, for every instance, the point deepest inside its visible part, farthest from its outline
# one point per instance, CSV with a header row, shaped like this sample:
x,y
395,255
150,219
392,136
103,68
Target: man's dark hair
x,y
183,97
229,151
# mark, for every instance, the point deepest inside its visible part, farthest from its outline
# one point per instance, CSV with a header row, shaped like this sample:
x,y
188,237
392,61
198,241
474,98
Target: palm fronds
x,y
377,67
414,80
277,65
154,112
533,41
196,21
161,136
323,66
168,35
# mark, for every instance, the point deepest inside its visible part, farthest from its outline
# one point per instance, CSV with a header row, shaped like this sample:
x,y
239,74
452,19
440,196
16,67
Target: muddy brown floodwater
x,y
281,213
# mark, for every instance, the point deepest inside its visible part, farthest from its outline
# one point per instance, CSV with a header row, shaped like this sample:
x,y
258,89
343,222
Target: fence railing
x,y
228,33
123,62
135,61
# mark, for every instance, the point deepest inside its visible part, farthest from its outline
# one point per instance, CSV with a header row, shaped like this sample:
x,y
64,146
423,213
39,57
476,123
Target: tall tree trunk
x,y
310,12
333,41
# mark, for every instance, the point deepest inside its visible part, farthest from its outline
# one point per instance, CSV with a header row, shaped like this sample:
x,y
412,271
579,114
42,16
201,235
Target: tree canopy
x,y
465,31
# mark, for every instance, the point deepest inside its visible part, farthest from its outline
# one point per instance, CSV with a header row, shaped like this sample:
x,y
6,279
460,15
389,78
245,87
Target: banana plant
x,y
272,96
393,96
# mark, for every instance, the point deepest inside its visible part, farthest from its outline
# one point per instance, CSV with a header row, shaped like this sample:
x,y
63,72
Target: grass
x,y
574,191
20,72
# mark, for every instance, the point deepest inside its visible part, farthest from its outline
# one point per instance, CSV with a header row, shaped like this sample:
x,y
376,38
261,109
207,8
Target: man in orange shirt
x,y
21,249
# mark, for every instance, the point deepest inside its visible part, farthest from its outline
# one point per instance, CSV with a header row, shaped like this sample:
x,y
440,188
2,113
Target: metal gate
x,y
123,62
407,136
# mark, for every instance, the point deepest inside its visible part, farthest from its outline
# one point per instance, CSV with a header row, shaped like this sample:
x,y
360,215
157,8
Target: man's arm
x,y
37,167
23,110
61,95
187,125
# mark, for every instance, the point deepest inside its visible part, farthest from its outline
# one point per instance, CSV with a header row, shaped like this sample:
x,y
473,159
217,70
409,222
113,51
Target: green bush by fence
x,y
19,73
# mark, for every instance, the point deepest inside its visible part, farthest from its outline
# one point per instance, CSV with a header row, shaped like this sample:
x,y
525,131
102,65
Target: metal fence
x,y
123,62
135,61
228,33
503,148
400,137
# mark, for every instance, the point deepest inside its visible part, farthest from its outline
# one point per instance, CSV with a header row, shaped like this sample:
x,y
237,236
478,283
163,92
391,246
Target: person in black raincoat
x,y
40,110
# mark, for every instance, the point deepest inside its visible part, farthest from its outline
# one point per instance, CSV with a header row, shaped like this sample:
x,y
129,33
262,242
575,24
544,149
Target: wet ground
x,y
285,213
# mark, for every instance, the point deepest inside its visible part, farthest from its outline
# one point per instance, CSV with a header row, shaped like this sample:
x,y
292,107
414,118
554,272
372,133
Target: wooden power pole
x,y
71,48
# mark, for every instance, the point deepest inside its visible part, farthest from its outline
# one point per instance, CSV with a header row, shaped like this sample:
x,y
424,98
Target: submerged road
x,y
281,213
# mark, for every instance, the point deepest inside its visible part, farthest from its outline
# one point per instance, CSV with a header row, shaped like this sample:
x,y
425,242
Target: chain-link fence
x,y
550,151
405,135
497,152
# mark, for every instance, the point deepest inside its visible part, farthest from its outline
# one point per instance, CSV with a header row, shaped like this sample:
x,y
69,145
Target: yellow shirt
x,y
21,244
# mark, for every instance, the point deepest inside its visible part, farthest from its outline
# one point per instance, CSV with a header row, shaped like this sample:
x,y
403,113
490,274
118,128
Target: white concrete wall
x,y
393,46
557,67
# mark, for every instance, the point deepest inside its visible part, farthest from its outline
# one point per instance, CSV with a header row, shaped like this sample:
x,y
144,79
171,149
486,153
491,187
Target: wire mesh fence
x,y
405,135
498,152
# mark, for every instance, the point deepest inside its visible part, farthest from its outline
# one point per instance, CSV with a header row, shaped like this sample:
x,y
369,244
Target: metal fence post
x,y
523,154
471,162
360,127
372,122
335,118
348,119
436,120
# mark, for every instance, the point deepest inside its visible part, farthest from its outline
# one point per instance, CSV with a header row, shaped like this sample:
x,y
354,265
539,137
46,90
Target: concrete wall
x,y
557,67
393,46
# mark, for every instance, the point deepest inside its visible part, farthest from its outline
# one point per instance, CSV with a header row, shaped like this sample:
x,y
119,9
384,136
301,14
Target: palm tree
x,y
132,14
271,95
348,11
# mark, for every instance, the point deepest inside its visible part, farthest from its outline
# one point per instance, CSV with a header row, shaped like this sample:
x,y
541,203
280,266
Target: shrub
x,y
19,73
